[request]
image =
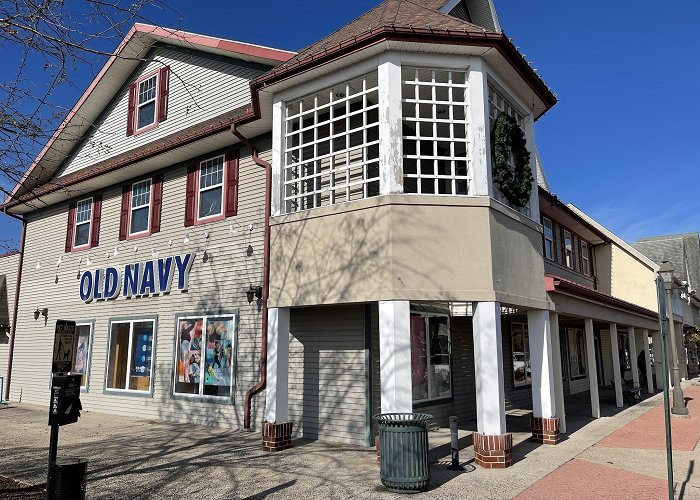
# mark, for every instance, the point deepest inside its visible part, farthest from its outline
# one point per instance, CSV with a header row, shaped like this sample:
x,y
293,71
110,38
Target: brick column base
x,y
493,452
545,430
277,437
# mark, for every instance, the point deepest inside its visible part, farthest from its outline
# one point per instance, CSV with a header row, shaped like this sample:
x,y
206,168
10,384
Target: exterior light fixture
x,y
253,292
186,239
36,314
666,273
45,312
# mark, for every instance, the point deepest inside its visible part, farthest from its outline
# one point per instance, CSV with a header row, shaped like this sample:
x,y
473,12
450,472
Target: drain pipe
x,y
257,388
16,303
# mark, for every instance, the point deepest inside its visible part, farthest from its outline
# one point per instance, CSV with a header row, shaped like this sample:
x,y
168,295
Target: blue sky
x,y
621,144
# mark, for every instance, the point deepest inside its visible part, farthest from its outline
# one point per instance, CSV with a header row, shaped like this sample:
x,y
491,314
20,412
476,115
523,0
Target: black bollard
x,y
454,445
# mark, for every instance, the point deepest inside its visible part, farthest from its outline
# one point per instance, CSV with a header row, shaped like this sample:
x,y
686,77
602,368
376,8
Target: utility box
x,y
65,406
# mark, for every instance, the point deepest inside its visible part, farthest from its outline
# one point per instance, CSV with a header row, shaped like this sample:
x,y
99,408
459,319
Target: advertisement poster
x,y
81,352
219,352
190,355
143,353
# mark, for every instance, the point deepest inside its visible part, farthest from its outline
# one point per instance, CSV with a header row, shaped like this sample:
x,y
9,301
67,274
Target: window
x,y
140,212
585,264
81,362
522,374
576,341
210,196
146,106
205,356
130,362
548,238
331,141
568,249
435,141
431,375
83,217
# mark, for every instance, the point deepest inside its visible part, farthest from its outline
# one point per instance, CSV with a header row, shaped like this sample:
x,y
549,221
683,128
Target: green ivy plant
x,y
515,182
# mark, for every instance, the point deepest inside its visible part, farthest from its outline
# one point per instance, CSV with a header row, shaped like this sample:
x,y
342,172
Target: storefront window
x,y
81,363
430,357
577,352
205,356
130,362
521,354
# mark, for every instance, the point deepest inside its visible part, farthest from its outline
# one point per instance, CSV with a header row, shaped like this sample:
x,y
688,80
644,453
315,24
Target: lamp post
x,y
679,408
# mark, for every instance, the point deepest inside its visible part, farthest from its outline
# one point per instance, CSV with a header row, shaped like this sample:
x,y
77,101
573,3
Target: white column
x,y
647,357
390,141
632,341
540,339
277,388
616,365
479,128
592,370
658,367
276,199
395,356
556,364
488,368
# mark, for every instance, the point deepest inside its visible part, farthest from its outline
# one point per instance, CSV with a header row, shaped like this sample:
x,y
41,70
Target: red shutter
x,y
231,183
96,217
157,187
124,214
164,84
191,195
71,227
132,110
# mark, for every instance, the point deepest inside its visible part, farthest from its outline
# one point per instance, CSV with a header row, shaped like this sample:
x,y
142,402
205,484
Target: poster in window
x,y
419,358
218,361
141,366
521,355
189,355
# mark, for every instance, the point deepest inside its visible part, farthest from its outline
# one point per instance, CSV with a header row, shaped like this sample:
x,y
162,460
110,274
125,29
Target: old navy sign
x,y
153,277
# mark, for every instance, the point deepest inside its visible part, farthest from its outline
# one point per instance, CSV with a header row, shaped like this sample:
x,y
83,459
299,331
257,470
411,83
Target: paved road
x,y
132,458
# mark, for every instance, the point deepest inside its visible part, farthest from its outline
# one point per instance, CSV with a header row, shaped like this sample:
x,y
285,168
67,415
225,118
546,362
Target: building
x,y
9,263
341,201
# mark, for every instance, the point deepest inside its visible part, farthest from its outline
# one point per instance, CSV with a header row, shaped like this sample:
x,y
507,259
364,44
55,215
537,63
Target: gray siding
x,y
217,284
201,88
8,269
327,373
480,12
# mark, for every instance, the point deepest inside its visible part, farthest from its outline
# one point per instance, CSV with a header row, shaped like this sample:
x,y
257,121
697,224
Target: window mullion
x,y
128,357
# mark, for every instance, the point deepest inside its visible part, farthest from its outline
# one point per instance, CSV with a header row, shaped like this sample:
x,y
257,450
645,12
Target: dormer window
x,y
146,108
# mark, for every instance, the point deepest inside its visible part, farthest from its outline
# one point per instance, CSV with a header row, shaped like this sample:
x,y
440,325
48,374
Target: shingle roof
x,y
395,13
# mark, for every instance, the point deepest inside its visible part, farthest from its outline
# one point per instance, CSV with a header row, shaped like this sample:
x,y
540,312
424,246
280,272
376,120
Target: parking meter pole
x,y
53,449
454,444
663,326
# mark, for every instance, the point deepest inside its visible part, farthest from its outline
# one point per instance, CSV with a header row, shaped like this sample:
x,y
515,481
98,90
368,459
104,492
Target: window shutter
x,y
132,110
96,217
191,195
231,183
71,227
157,187
164,84
124,214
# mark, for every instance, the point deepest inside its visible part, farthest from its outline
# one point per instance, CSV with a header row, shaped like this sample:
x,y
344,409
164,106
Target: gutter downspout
x,y
262,383
16,303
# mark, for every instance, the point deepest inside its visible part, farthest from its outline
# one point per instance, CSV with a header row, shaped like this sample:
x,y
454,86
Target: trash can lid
x,y
386,418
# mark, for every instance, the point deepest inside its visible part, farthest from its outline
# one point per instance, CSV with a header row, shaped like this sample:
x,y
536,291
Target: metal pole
x,y
454,444
663,324
679,407
53,448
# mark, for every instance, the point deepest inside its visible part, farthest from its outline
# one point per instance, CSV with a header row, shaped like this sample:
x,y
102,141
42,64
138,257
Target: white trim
x,y
558,372
149,205
130,322
395,356
278,151
543,380
86,373
390,149
138,105
88,222
277,393
592,370
223,184
488,369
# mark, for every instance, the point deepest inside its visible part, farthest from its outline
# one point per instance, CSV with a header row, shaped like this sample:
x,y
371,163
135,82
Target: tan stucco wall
x,y
404,247
603,262
632,280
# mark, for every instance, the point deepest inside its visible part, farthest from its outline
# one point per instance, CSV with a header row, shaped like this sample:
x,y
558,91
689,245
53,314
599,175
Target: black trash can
x,y
67,478
403,451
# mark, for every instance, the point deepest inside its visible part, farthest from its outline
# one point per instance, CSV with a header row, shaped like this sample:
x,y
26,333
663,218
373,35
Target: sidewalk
x,y
132,458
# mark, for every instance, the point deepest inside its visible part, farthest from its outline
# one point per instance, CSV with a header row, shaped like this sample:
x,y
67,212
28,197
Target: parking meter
x,y
65,406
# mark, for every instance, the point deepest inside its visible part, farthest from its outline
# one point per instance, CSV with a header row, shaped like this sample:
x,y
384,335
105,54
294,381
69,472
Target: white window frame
x,y
88,357
568,253
420,102
526,353
201,396
140,104
426,317
131,322
331,184
201,190
550,240
149,205
585,258
90,201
